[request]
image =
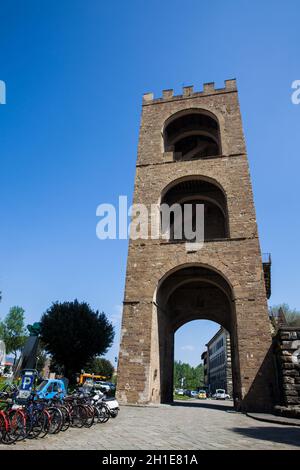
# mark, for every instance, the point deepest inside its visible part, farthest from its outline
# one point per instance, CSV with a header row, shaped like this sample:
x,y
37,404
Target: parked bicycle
x,y
36,417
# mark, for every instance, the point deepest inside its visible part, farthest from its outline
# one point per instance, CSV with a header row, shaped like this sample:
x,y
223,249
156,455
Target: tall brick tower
x,y
192,149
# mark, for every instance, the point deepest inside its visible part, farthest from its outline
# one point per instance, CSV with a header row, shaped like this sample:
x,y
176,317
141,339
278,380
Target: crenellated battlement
x,y
188,92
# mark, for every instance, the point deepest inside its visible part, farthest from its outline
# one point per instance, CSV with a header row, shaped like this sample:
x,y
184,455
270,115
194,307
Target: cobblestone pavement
x,y
189,425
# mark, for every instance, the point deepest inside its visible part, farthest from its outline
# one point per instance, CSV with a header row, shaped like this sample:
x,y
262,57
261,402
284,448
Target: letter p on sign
x,y
27,382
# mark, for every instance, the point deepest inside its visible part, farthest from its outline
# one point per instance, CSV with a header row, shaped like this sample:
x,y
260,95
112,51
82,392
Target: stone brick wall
x,y
287,349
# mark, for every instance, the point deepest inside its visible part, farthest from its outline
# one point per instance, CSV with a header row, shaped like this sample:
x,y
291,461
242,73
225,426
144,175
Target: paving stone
x,y
173,427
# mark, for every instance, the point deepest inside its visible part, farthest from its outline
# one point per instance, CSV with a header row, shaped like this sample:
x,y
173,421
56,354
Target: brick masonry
x,y
237,259
287,348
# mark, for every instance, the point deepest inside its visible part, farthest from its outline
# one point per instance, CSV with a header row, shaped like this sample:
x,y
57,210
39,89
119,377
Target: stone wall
x,y
287,350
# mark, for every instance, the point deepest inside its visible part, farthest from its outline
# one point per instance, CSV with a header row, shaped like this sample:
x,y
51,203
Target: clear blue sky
x,y
75,72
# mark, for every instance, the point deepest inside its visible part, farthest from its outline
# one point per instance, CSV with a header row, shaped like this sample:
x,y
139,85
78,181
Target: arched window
x,y
192,135
193,192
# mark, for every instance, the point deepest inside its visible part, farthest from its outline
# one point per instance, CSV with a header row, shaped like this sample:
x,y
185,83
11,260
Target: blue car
x,y
51,388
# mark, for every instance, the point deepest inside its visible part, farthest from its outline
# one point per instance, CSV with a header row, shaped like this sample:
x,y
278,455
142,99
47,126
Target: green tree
x,y
292,316
100,366
193,376
13,331
73,334
55,367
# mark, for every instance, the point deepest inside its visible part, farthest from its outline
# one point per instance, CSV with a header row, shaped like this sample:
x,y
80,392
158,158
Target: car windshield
x,y
41,386
220,390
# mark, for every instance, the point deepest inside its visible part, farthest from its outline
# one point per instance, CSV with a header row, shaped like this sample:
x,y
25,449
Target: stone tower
x,y
192,149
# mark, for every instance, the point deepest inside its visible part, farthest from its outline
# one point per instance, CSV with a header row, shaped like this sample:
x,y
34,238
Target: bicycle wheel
x,y
17,424
79,416
103,413
66,418
90,416
46,423
56,419
9,436
34,429
3,428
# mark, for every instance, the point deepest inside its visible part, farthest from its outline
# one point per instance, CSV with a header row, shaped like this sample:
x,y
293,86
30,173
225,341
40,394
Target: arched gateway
x,y
191,149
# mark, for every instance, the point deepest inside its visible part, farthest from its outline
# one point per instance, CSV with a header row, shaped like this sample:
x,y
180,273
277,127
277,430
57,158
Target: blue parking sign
x,y
27,381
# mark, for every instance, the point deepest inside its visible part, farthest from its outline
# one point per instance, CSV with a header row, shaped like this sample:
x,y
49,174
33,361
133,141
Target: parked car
x,y
221,394
190,393
50,388
112,385
179,391
202,395
100,385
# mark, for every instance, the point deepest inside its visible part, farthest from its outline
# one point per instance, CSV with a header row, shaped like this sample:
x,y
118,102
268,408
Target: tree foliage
x,y
193,376
100,366
41,357
73,334
292,316
12,330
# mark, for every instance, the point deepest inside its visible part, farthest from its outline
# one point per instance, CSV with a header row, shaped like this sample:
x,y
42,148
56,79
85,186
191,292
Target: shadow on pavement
x,y
284,434
205,404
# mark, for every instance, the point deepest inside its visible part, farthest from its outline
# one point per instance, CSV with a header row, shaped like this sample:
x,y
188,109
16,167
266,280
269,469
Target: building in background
x,y
217,362
204,357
